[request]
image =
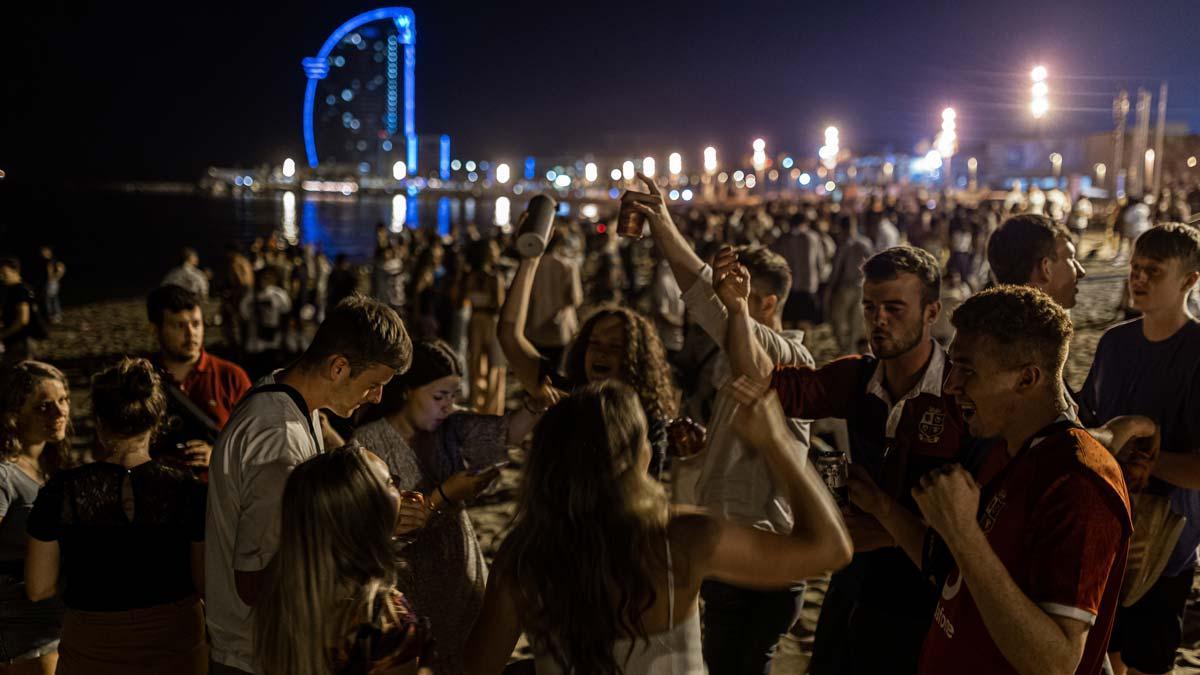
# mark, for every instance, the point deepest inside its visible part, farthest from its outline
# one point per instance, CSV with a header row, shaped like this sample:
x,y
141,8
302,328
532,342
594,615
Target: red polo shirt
x,y
215,385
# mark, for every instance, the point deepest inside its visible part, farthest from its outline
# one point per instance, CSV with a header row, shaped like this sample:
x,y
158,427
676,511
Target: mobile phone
x,y
488,467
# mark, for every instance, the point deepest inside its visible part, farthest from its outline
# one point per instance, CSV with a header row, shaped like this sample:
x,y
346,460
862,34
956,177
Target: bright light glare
x,y
1040,107
687,195
399,209
759,145
751,181
470,165
673,195
787,162
739,175
503,211
1191,162
503,173
1040,89
972,164
805,179
710,159
831,134
590,172
1038,74
562,181
399,170
648,167
615,174
289,167
675,163
627,170
948,114
589,211
830,186
1056,158
455,165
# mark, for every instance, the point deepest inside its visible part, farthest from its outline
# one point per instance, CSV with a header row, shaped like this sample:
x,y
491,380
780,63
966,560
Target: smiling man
x,y
902,425
1151,366
359,346
1030,566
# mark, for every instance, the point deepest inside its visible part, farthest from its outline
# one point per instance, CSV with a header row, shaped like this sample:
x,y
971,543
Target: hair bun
x,y
139,380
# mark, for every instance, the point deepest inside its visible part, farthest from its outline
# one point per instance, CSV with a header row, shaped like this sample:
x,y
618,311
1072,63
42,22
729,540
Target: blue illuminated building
x,y
352,98
444,157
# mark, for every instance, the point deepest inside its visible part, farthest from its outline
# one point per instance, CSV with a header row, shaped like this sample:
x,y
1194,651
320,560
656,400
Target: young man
x,y
901,426
1032,250
356,351
1029,567
212,384
1151,366
188,274
17,314
741,624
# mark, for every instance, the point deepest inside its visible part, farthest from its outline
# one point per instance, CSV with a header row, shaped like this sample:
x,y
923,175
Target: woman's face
x,y
604,357
429,405
380,469
45,414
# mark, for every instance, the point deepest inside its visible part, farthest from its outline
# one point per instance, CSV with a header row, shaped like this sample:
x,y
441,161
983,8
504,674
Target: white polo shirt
x,y
265,438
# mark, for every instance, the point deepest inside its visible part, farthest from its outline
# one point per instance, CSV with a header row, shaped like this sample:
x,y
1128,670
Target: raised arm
x,y
749,557
523,357
746,354
676,250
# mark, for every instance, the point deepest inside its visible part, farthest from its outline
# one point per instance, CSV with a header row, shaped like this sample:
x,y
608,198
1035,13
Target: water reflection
x,y
503,211
399,212
290,234
443,216
469,208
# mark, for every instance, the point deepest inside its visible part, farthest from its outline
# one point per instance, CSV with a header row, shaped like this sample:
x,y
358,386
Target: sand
x,y
95,334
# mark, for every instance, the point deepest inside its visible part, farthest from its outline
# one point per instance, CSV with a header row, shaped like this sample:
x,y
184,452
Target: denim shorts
x,y
28,630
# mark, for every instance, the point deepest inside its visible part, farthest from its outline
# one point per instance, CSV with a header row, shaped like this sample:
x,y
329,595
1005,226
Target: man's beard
x,y
900,343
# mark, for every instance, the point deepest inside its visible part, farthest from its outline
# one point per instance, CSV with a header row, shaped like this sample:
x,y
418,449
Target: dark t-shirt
x,y
1133,376
14,295
113,563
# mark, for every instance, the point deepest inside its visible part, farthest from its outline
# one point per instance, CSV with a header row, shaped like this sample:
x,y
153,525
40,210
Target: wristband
x,y
445,499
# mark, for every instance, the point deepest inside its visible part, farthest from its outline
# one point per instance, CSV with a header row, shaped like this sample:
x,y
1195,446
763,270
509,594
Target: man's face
x,y
351,391
762,305
181,335
983,388
1065,273
9,275
1156,285
894,316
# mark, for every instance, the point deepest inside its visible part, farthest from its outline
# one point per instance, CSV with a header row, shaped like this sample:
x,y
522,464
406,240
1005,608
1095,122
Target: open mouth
x,y
967,408
601,372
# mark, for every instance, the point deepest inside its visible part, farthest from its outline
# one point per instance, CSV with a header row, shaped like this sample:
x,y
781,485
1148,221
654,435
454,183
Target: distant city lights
x,y
739,176
503,173
687,195
455,165
472,177
648,167
830,186
562,181
759,145
615,174
759,159
751,181
829,152
627,170
673,195
399,209
344,187
675,163
710,160
503,211
805,179
787,163
1191,162
1039,103
289,168
590,172
469,166
399,170
589,211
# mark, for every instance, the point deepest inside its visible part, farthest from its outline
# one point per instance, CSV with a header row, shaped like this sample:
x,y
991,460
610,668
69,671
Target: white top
x,y
677,651
733,482
189,277
266,314
265,438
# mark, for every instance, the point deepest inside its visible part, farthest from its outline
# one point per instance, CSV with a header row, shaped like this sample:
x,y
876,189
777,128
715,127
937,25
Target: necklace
x,y
30,467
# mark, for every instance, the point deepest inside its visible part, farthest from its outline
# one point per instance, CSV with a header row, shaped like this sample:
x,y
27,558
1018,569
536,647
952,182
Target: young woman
x,y
484,289
330,605
449,457
127,533
602,577
35,422
614,343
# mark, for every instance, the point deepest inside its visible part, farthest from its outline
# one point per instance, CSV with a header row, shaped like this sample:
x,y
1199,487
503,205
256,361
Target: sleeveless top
x,y
673,652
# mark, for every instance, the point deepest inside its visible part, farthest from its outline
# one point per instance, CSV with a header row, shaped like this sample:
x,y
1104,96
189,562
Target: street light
x,y
289,167
503,173
590,172
710,160
1039,101
1055,163
947,139
627,169
829,152
399,170
648,167
759,159
675,164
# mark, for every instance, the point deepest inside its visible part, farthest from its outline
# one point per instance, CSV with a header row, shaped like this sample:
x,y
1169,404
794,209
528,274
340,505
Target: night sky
x,y
112,92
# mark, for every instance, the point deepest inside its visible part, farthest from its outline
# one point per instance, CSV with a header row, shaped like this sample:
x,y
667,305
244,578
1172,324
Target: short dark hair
x,y
768,268
363,330
169,298
890,263
1020,243
1023,322
1169,241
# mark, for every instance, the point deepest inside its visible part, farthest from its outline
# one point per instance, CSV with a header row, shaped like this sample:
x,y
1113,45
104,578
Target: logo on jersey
x,y
953,583
988,520
931,426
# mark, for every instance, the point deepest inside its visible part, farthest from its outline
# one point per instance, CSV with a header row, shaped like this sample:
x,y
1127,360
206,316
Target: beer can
x,y
834,469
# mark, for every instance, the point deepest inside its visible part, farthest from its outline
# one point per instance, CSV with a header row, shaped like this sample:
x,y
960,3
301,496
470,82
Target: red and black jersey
x,y
1058,517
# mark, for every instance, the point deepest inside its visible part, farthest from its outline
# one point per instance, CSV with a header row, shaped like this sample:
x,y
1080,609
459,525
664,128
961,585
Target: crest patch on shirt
x,y
992,512
931,426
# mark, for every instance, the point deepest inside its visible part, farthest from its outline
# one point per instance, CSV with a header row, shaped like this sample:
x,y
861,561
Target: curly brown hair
x,y
1023,324
17,383
643,366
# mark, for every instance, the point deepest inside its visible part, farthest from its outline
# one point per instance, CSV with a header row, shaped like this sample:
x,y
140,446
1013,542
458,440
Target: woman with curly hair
x,y
599,572
614,343
35,426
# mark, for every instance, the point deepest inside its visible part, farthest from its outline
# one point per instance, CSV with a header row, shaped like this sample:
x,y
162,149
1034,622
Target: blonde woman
x,y
330,606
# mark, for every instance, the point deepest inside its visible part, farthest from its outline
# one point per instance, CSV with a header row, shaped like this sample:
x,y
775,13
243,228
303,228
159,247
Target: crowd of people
x,y
298,505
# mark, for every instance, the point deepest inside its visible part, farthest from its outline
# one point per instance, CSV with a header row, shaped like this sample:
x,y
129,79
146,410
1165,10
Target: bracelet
x,y
445,499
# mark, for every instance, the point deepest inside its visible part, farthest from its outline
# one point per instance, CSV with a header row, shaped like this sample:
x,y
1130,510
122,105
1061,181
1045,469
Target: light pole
x,y
1039,102
710,169
947,142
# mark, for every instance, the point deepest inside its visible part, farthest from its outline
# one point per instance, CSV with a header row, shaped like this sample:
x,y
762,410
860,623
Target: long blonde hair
x,y
334,559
